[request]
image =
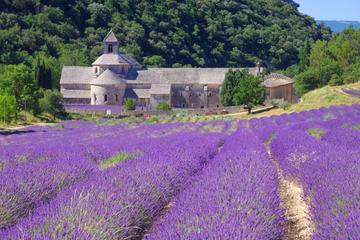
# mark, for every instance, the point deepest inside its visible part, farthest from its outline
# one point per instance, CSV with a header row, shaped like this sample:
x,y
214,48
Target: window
x,y
209,94
95,70
105,98
94,98
116,98
110,48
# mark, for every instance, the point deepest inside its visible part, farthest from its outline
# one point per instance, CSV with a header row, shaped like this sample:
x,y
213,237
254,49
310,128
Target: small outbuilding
x,y
279,86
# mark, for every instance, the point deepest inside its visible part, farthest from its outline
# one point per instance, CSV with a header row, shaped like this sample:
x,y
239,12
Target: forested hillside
x,y
333,62
178,33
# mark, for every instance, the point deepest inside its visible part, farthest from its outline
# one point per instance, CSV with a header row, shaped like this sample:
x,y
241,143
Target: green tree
x,y
228,87
163,106
52,102
7,107
249,91
129,104
43,75
19,81
304,55
155,61
333,62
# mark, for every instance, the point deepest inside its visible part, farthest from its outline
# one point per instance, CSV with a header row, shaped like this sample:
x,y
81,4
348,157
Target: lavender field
x,y
293,176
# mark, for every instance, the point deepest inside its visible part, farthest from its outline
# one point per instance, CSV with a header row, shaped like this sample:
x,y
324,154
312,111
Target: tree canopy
x,y
333,62
219,33
242,88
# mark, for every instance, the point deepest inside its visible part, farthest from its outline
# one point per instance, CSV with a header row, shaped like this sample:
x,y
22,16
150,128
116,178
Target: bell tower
x,y
111,44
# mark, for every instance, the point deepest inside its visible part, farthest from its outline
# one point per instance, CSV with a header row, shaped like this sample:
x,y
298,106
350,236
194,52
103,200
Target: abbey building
x,y
115,76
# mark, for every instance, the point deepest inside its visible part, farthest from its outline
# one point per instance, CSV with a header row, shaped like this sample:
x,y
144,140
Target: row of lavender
x,y
327,165
80,137
39,163
120,202
236,197
98,143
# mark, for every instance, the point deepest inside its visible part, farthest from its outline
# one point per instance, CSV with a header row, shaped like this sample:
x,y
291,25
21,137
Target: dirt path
x,y
299,225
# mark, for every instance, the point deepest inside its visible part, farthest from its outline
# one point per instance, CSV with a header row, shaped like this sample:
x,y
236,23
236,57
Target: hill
x,y
338,26
158,33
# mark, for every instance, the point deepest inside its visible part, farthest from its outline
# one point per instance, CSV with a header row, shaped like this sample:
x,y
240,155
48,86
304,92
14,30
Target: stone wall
x,y
195,96
106,95
281,92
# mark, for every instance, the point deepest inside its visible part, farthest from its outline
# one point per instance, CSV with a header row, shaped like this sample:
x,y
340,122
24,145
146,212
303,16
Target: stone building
x,y
115,76
279,86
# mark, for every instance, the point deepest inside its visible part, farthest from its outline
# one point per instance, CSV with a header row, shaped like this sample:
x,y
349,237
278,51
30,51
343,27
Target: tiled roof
x,y
160,89
76,75
276,80
117,59
137,93
108,77
110,38
184,75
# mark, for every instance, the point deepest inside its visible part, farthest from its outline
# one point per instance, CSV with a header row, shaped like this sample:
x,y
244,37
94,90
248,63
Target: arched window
x,y
110,48
105,98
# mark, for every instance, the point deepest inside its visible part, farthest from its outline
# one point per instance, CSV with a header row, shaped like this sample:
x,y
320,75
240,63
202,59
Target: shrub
x,y
7,108
129,104
154,120
52,102
281,104
163,106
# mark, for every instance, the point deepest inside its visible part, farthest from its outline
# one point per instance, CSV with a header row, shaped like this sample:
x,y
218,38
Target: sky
x,y
331,9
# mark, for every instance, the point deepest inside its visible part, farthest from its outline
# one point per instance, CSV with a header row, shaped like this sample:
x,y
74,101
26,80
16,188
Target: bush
x,y
281,104
7,108
52,102
129,104
163,106
154,120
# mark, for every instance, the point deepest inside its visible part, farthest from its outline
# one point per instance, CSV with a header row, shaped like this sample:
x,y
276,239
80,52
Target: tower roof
x,y
110,38
108,77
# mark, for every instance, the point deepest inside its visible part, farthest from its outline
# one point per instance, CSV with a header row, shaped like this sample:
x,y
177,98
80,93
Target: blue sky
x,y
331,9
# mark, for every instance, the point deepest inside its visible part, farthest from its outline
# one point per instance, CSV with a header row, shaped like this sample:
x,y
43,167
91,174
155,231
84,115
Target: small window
x,y
209,94
94,98
199,94
95,70
110,48
116,98
105,98
217,106
183,105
